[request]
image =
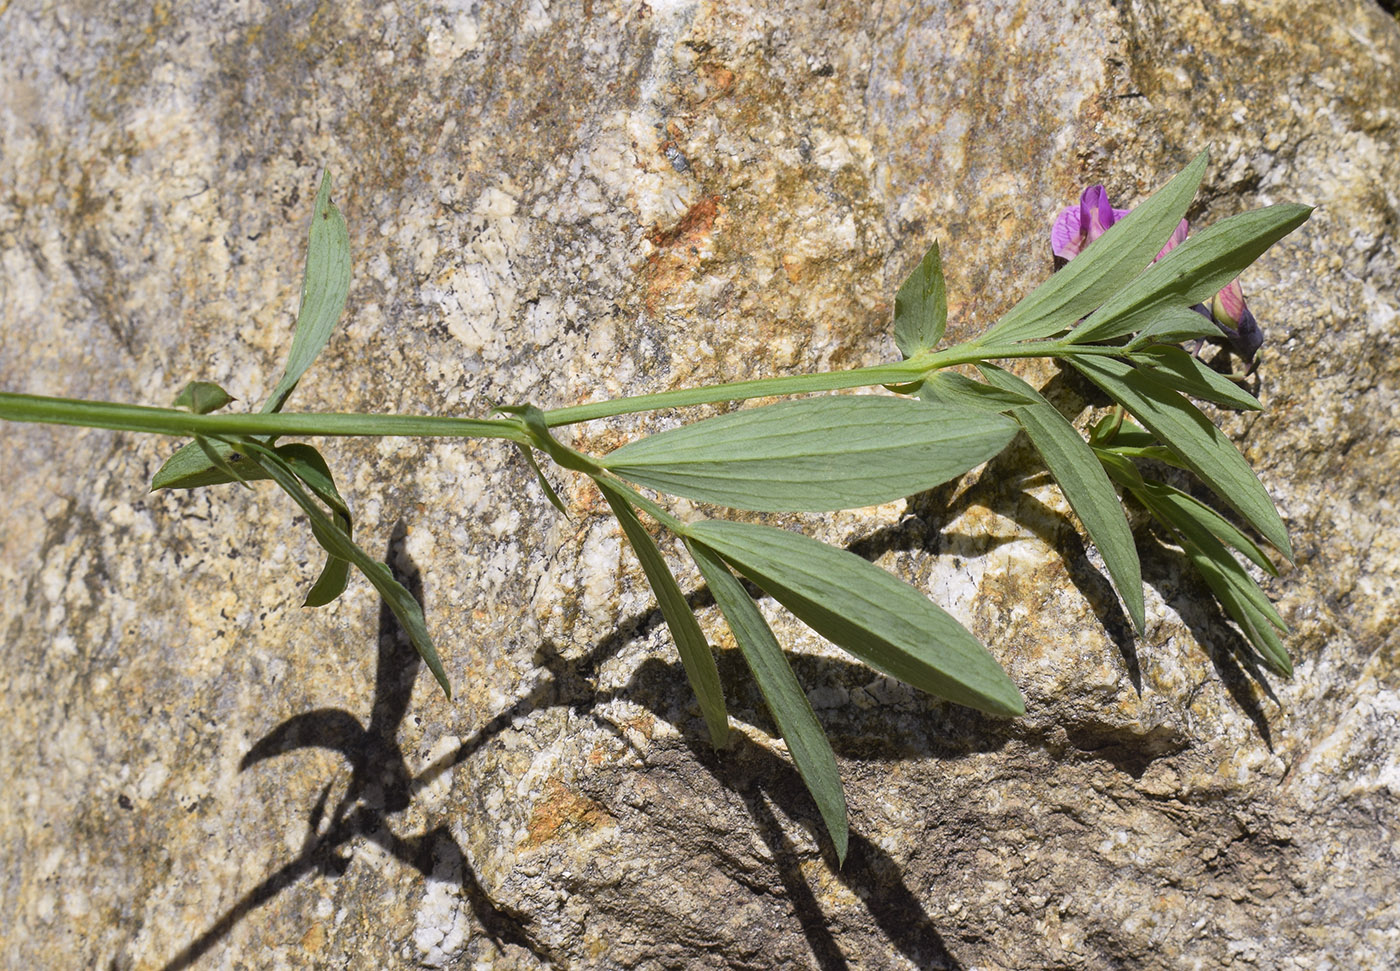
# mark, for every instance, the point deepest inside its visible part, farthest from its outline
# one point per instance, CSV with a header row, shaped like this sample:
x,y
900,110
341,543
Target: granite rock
x,y
559,201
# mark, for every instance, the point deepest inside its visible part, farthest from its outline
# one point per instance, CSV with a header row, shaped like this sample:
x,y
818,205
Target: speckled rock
x,y
554,202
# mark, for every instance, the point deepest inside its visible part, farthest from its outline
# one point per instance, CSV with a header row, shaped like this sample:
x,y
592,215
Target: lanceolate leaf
x,y
1235,589
858,606
1105,267
191,467
1189,434
781,691
312,469
1217,525
1173,325
921,307
815,454
324,288
1085,484
958,391
694,649
548,489
1194,271
335,542
1189,376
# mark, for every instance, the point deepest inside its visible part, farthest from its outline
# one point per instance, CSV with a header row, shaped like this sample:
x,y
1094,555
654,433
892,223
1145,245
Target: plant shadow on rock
x,y
380,786
763,780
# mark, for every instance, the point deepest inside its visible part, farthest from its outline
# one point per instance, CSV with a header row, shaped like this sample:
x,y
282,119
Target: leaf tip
x,y
841,843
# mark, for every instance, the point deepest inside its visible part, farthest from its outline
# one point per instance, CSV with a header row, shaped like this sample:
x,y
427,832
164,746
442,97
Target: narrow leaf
x,y
811,751
1196,270
191,467
1172,325
1265,639
1189,434
815,454
921,307
333,541
324,289
1236,590
959,391
1189,376
1221,560
1085,484
858,606
1105,267
1189,507
312,469
549,492
694,649
202,397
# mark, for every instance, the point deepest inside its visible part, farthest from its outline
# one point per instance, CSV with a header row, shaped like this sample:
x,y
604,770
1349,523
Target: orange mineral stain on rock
x,y
679,249
314,938
561,810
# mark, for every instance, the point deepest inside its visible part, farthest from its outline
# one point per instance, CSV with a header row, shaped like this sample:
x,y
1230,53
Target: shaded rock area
x,y
557,201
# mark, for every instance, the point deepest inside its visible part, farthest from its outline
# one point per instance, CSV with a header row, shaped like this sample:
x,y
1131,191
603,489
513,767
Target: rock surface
x,y
555,202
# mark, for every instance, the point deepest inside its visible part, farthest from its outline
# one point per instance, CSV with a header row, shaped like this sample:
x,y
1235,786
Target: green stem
x,y
172,421
911,370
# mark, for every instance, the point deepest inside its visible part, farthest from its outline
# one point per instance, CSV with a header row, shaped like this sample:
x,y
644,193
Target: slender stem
x,y
905,371
737,391
172,421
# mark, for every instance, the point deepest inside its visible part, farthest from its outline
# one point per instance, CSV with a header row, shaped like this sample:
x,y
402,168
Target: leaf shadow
x,y
380,785
1238,665
763,780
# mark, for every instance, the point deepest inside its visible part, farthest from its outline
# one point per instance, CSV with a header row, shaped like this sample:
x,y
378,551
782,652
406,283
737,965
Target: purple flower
x,y
1078,226
1232,315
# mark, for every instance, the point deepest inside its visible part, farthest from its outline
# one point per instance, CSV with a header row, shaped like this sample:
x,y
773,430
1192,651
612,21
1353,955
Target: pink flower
x,y
1232,315
1078,226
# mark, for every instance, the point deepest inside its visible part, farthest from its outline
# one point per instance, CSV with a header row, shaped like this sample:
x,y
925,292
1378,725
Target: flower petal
x,y
1178,237
1066,237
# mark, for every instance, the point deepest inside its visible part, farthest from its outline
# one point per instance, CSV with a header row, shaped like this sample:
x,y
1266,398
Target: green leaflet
x,y
811,751
1173,325
1196,270
1189,376
816,454
921,307
324,289
1237,592
958,391
1085,484
1189,434
202,397
548,489
1189,507
694,649
336,543
312,470
858,606
191,467
1107,265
